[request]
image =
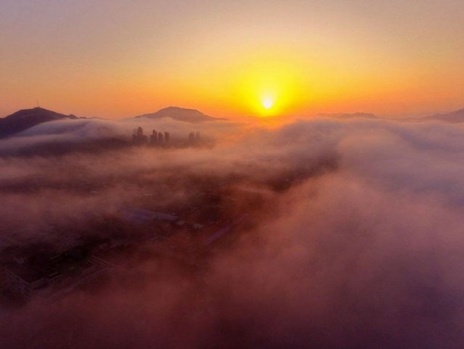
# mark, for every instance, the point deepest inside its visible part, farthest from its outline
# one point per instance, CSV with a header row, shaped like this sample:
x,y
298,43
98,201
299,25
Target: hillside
x,y
179,114
455,116
27,118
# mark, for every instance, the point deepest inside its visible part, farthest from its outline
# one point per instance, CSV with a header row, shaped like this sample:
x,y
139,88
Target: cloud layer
x,y
357,243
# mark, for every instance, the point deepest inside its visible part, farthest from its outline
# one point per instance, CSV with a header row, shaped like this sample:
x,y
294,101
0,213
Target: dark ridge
x,y
350,116
454,117
179,114
27,118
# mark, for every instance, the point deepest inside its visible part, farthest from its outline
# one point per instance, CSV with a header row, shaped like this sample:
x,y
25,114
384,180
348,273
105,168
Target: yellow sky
x,y
125,58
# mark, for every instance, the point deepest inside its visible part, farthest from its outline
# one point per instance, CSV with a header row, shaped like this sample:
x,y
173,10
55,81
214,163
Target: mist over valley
x,y
322,232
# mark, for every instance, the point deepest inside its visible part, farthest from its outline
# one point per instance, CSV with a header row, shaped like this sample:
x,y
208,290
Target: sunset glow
x,y
223,58
231,174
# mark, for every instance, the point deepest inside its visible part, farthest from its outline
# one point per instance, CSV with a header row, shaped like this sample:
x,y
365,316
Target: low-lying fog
x,y
359,242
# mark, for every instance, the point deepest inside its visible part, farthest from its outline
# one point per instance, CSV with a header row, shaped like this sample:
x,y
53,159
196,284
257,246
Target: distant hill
x,y
27,118
350,116
455,116
179,114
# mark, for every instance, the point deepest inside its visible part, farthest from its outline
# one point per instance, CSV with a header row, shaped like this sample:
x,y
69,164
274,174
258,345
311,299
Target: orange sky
x,y
124,58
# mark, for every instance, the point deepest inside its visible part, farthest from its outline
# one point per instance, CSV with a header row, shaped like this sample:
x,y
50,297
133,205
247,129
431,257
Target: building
x,y
194,138
159,138
138,138
154,138
142,216
191,138
114,261
20,282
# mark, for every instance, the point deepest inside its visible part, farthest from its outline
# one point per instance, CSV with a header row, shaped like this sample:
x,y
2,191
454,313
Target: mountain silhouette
x,y
27,118
350,115
454,117
179,114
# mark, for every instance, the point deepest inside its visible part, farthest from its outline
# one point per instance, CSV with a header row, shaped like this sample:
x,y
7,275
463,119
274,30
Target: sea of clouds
x,y
363,248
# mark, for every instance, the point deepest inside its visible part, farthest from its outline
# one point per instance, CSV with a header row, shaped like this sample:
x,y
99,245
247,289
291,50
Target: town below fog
x,y
176,229
152,227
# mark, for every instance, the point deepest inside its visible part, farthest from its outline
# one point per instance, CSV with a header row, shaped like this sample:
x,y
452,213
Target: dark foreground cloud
x,y
357,243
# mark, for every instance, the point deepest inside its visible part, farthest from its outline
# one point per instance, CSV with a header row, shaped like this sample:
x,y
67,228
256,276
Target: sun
x,y
267,102
267,87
